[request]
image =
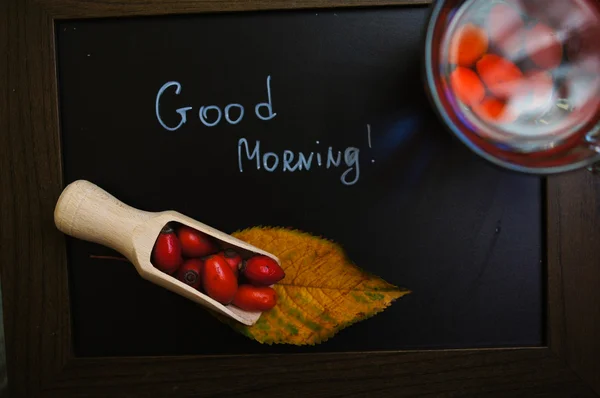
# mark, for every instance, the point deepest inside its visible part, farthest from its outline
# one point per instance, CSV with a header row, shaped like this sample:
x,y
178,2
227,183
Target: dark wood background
x,y
35,283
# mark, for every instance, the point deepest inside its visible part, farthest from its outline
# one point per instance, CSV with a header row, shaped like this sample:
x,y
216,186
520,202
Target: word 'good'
x,y
263,110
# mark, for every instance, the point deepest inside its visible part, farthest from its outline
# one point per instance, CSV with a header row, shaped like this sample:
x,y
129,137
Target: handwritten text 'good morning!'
x,y
251,154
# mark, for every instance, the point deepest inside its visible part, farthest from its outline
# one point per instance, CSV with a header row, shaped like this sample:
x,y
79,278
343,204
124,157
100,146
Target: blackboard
x,y
424,212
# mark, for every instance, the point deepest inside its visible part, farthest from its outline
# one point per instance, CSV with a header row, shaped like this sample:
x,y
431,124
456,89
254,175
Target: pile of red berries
x,y
197,260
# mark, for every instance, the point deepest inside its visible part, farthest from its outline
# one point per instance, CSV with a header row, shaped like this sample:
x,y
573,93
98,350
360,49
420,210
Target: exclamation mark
x,y
369,139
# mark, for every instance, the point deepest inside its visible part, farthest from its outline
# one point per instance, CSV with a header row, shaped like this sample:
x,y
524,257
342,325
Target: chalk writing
x,y
250,154
240,117
263,110
271,160
204,110
181,111
268,105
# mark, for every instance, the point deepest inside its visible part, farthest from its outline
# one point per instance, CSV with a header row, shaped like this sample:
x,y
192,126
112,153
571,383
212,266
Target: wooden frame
x,y
35,284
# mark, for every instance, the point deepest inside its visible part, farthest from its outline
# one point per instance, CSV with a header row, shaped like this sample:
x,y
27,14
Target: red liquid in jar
x,y
537,63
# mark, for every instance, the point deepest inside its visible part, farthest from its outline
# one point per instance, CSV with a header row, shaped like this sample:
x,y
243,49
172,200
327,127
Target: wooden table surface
x,y
35,282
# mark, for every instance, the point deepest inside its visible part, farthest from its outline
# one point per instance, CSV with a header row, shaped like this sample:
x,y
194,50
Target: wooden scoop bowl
x,y
86,211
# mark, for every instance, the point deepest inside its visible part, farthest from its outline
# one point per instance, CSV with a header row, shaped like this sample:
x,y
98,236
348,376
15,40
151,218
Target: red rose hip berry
x,y
190,272
233,259
218,279
195,243
166,253
543,46
255,298
262,270
506,27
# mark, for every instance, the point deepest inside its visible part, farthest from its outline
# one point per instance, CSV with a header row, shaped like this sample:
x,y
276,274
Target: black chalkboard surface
x,y
406,201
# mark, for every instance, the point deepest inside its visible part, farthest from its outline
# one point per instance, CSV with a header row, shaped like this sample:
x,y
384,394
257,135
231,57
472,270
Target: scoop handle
x,y
86,211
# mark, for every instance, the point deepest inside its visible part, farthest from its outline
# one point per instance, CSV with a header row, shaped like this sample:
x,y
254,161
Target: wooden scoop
x,y
86,211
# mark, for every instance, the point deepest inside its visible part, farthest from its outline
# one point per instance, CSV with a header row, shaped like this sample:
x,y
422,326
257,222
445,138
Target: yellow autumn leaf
x,y
322,292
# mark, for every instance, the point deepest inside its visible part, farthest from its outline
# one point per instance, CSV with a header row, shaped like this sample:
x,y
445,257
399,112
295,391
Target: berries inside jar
x,y
524,72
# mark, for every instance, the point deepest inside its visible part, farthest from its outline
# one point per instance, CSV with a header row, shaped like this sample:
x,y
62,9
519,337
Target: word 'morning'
x,y
290,161
211,115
